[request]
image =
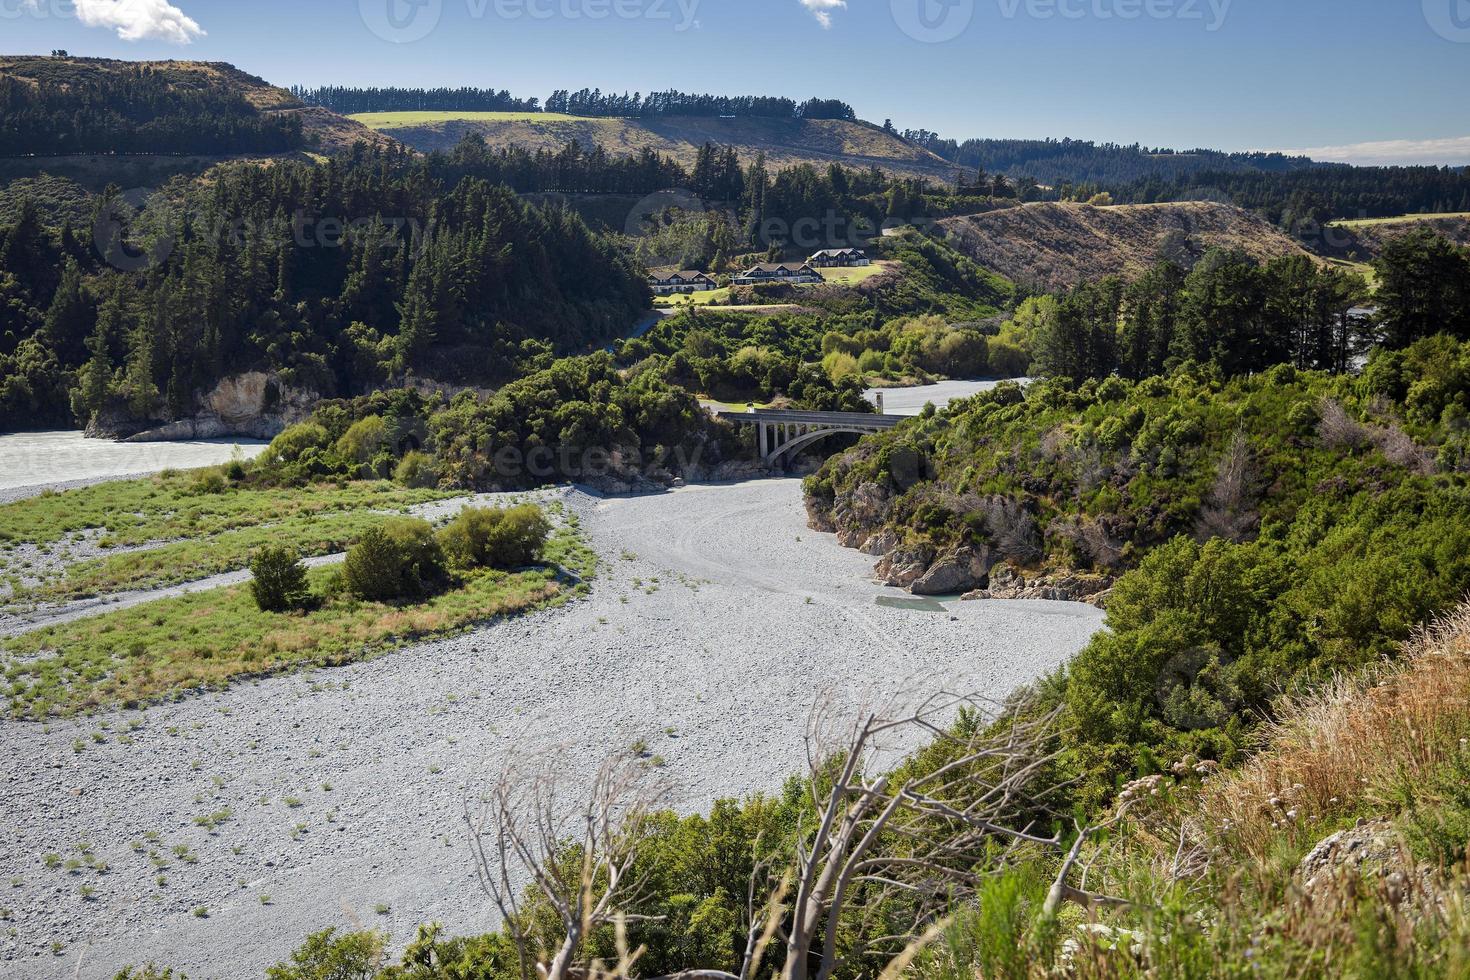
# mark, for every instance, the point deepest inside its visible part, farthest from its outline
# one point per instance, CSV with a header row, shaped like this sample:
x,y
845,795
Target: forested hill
x,y
336,277
63,106
1055,161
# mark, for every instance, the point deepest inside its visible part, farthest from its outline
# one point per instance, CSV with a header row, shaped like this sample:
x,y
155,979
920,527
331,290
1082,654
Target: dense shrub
x,y
364,440
1268,530
483,537
296,441
279,582
416,469
400,559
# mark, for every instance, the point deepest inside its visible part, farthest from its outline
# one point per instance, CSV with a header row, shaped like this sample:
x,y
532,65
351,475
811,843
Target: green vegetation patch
x,y
209,525
208,639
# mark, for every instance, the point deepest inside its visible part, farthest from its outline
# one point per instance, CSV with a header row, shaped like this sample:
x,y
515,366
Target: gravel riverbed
x,y
716,621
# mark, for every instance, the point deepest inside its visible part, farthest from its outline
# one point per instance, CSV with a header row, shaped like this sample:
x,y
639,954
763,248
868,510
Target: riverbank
x,y
31,462
717,620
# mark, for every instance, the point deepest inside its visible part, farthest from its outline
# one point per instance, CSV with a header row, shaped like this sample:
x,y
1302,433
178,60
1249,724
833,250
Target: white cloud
x,y
822,9
140,20
1453,152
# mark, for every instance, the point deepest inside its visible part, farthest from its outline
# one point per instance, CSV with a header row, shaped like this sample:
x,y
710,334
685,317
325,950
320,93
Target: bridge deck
x,y
774,417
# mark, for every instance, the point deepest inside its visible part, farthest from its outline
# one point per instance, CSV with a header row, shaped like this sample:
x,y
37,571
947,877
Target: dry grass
x,y
1344,748
785,142
1057,246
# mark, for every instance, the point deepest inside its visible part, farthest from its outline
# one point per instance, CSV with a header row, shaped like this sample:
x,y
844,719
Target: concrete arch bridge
x,y
780,433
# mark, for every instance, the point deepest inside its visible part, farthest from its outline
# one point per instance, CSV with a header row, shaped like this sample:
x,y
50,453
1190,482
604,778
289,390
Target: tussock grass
x,y
1350,747
1214,866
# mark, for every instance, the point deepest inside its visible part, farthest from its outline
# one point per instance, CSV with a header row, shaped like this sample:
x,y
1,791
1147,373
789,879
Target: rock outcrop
x,y
1007,583
253,405
956,571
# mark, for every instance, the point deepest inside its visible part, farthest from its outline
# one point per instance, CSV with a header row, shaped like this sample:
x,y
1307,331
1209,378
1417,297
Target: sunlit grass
x,y
401,120
207,639
197,532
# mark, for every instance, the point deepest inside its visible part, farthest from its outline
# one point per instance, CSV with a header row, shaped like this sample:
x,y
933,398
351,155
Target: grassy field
x,y
1360,268
402,120
1398,220
852,276
181,527
694,299
207,639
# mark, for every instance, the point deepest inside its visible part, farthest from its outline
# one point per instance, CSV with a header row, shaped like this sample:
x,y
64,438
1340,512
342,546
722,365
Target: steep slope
x,y
1054,246
785,142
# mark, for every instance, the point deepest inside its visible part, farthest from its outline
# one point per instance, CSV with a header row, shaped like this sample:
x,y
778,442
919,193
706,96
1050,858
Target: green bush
x,y
294,441
416,470
279,584
482,537
209,481
401,559
363,440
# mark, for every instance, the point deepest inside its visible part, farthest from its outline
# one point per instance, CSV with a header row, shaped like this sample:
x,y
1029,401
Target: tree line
x,y
136,111
594,102
1056,160
1244,317
583,102
1302,200
347,100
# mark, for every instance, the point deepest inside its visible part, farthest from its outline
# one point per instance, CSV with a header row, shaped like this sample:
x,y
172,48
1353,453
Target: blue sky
x,y
1322,75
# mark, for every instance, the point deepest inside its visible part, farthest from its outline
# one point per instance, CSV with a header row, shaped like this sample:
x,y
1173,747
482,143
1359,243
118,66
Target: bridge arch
x,y
800,442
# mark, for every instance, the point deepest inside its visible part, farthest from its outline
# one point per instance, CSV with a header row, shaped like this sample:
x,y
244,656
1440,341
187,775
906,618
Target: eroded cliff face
x,y
863,517
253,405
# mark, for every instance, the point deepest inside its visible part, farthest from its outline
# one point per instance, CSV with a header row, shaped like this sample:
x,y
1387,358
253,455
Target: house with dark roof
x,y
788,272
667,283
839,257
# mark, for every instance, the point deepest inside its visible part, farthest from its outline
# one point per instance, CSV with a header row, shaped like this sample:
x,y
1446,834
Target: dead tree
x,y
526,821
928,837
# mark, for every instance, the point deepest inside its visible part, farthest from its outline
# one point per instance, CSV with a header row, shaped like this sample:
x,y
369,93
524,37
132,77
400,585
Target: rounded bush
x,y
484,537
399,559
417,470
296,440
279,584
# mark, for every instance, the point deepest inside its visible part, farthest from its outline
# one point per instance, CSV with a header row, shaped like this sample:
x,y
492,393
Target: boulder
x,y
903,566
880,544
959,570
1372,848
1007,583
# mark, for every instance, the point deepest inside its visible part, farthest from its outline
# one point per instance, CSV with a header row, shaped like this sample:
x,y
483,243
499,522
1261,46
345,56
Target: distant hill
x,y
165,108
1056,246
1363,240
785,142
1058,161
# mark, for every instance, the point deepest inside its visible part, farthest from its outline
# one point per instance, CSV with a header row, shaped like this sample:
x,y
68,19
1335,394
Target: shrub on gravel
x,y
484,537
401,559
279,583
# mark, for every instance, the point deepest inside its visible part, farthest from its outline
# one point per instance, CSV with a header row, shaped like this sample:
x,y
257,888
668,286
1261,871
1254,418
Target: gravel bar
x,y
716,621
